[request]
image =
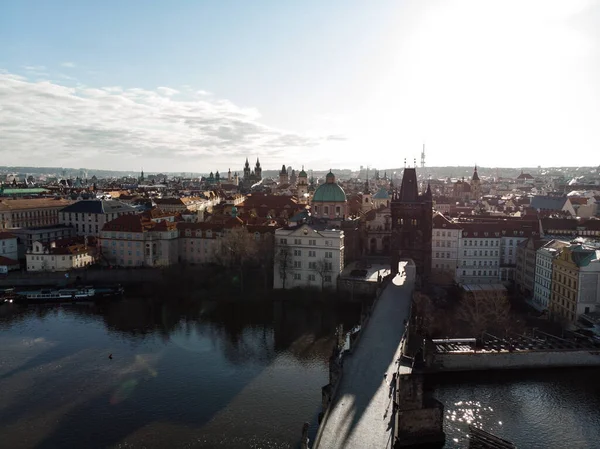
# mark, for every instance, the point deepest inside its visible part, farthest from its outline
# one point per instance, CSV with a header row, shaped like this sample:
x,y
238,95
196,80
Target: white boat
x,y
66,294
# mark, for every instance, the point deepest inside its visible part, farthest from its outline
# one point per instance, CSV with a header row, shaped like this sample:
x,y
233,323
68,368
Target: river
x,y
206,374
546,409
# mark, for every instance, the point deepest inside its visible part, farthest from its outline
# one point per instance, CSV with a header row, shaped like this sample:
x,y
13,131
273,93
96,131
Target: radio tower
x,y
423,157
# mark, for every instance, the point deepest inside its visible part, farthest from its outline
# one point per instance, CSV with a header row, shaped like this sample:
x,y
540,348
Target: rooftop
x,y
98,207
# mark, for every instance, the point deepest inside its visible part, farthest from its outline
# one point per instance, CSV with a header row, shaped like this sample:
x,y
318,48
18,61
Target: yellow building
x,y
575,283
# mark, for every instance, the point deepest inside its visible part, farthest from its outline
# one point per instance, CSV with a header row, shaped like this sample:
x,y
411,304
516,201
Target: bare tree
x,y
238,247
284,262
485,312
322,268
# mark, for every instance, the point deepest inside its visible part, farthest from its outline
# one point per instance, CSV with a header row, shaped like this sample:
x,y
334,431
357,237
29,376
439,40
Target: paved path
x,y
361,413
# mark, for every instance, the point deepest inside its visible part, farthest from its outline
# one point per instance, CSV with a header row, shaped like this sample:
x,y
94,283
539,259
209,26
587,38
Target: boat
x,y
87,293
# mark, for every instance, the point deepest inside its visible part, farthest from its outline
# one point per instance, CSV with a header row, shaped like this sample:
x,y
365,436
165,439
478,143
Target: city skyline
x,y
186,87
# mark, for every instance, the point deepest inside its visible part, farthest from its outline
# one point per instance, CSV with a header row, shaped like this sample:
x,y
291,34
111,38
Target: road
x,y
361,413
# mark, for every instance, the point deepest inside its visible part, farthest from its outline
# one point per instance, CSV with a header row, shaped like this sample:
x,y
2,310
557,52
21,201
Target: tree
x,y
284,262
238,247
322,267
486,311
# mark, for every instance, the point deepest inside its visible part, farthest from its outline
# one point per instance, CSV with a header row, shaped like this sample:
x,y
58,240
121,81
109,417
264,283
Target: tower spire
x,y
423,157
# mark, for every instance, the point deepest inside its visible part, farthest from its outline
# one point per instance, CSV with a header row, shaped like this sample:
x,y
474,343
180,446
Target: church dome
x,y
330,192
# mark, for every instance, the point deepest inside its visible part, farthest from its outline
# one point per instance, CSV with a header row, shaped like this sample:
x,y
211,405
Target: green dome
x,y
329,192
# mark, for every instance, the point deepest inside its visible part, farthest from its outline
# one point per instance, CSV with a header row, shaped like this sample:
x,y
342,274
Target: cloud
x,y
68,64
42,121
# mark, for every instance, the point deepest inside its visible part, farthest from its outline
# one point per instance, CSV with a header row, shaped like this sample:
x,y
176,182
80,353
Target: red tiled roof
x,y
5,261
7,235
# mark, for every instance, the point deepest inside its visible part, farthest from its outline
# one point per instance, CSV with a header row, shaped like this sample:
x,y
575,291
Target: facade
x,y
8,246
60,256
479,255
329,200
302,185
26,213
88,217
412,217
446,243
377,224
575,283
526,265
140,240
200,243
307,256
543,272
44,234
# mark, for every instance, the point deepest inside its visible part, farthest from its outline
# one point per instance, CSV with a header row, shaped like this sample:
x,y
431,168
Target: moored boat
x,y
50,295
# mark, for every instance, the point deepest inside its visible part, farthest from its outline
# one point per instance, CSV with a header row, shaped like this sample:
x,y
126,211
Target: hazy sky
x,y
199,85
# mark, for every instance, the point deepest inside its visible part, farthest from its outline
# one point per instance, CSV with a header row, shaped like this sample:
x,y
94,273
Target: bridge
x,y
362,413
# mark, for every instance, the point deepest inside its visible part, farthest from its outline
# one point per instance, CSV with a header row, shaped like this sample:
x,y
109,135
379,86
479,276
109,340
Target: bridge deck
x,y
361,414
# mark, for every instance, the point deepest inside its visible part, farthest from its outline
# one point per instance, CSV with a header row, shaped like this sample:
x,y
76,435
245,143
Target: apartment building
x,y
575,282
542,288
479,254
446,243
26,213
8,245
132,240
308,256
44,234
88,217
526,265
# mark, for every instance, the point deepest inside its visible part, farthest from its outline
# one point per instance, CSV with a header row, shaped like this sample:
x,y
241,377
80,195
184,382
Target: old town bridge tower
x,y
412,222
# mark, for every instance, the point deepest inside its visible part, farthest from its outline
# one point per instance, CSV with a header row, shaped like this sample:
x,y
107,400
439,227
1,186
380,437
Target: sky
x,y
198,86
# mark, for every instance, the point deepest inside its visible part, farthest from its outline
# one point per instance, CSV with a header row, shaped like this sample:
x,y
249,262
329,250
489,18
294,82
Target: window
x,y
328,279
328,255
312,242
437,255
297,276
297,264
297,241
312,265
312,254
297,252
311,277
447,255
465,252
283,241
326,210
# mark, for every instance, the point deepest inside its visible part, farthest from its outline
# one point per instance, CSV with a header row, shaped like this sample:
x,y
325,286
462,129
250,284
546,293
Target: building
x,y
526,265
377,227
200,243
62,255
283,175
446,243
412,224
479,254
575,283
329,200
140,240
302,185
44,234
88,217
542,288
307,256
552,205
26,213
8,246
7,265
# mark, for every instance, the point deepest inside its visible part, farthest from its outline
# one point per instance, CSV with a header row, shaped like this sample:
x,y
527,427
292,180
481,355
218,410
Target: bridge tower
x,y
412,224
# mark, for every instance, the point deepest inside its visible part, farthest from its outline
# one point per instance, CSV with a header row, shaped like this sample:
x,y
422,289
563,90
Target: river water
x,y
208,374
544,409
233,375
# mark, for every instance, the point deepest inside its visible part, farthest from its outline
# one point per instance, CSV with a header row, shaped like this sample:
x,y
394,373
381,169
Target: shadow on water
x,y
210,352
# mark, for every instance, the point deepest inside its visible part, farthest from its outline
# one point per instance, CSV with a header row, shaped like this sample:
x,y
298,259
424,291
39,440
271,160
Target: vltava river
x,y
203,375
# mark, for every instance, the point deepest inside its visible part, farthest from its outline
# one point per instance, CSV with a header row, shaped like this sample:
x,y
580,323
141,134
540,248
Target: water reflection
x,y
202,374
533,409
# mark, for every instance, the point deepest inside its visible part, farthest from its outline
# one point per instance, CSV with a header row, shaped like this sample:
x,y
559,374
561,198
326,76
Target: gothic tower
x,y
283,175
412,223
258,170
475,186
246,170
302,185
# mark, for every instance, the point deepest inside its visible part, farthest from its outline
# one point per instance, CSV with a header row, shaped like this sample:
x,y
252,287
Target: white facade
x,y
307,257
147,248
8,246
479,259
50,258
445,245
542,289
